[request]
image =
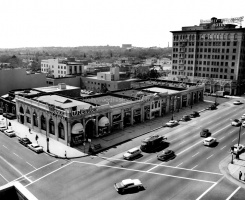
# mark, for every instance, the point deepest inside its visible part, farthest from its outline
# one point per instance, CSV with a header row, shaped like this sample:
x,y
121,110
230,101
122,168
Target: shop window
x,y
61,131
28,119
51,127
35,121
43,123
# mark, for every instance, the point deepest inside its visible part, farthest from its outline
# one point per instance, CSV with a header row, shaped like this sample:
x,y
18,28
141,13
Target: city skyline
x,y
142,23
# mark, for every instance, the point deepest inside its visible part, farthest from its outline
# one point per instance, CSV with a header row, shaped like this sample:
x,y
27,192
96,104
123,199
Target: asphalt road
x,y
193,174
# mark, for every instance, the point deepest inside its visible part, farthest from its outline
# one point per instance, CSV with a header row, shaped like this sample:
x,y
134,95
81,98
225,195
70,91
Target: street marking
x,y
31,165
194,167
48,174
195,154
152,168
5,147
4,178
200,141
209,188
210,156
17,155
136,170
162,165
234,140
15,169
232,194
221,138
223,147
179,164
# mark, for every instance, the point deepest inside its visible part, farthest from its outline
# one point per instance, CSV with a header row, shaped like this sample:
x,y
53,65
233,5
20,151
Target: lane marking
x,y
17,155
221,138
152,168
234,140
179,164
195,154
31,165
5,147
194,167
223,147
210,156
48,174
200,141
136,170
15,169
204,193
4,178
34,171
162,165
232,194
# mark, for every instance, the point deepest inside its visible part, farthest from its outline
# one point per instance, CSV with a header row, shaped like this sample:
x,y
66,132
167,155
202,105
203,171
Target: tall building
x,y
212,53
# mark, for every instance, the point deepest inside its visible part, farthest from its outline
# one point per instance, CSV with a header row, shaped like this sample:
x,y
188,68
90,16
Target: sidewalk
x,y
60,150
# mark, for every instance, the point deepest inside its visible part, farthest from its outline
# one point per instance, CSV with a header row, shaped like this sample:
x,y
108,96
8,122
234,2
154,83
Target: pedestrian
x,y
29,130
240,175
65,154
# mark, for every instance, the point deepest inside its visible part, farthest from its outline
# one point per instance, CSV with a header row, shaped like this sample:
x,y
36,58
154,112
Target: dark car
x,y
205,133
212,107
166,155
194,114
185,118
25,141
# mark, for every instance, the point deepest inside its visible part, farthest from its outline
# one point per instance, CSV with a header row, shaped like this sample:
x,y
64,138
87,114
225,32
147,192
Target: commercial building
x,y
73,120
212,53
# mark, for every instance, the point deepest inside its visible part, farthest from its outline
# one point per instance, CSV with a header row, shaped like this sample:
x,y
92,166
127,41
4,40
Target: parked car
x,y
25,141
128,184
212,107
238,149
185,118
237,102
236,122
205,133
130,154
243,124
172,123
35,147
242,117
166,155
194,114
209,141
9,133
3,127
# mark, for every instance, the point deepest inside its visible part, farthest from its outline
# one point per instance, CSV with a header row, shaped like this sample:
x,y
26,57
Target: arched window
x,y
61,131
235,36
43,123
21,110
27,111
206,37
51,127
35,122
224,36
228,37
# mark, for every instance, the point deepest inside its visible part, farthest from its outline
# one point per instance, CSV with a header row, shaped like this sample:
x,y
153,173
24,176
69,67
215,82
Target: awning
x,y
104,121
77,129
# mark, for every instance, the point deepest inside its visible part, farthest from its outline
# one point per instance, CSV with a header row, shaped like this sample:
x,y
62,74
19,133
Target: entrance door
x,y
89,129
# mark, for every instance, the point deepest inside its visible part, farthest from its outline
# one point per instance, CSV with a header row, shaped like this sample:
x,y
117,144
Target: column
x,y
47,125
68,132
97,128
142,114
132,117
83,123
110,120
167,104
122,114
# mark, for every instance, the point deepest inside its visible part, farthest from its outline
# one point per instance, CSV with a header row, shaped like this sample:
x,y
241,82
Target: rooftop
x,y
103,100
54,88
161,90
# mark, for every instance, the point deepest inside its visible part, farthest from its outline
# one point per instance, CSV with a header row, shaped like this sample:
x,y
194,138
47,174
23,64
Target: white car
x,y
130,154
242,117
128,184
35,147
3,128
209,141
9,133
236,122
238,149
243,124
237,102
172,123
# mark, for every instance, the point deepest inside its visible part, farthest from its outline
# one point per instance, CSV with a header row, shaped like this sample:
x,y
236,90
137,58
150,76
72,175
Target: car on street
x,y
205,133
35,147
237,102
236,122
212,107
209,141
166,155
132,153
238,149
243,124
3,128
172,123
185,118
242,117
24,141
9,133
194,114
127,185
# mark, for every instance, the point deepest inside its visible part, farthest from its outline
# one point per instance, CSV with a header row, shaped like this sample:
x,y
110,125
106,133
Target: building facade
x,y
212,53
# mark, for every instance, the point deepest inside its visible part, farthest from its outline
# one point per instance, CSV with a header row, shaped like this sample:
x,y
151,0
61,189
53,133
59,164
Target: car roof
x,y
133,149
205,130
167,151
127,181
152,137
9,131
209,138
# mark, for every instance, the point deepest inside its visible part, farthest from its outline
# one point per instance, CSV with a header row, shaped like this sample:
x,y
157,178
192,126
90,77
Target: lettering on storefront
x,y
83,111
55,112
116,118
184,98
127,112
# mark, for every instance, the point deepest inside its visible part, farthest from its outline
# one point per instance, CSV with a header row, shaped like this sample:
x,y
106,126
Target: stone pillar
x,y
122,113
56,127
132,116
167,104
68,132
142,113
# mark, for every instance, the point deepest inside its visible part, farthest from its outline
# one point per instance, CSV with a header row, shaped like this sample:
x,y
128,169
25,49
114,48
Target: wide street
x,y
193,174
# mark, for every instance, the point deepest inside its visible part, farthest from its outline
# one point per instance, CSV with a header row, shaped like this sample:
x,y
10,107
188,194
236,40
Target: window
x,y
233,57
232,70
228,43
61,131
51,127
227,57
225,77
227,50
225,70
233,64
234,43
43,123
35,122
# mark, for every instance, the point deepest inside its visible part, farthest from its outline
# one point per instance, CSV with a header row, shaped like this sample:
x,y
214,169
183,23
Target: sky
x,y
71,23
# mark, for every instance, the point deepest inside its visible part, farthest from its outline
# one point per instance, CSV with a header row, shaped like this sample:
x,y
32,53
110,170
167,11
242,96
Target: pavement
x,y
59,150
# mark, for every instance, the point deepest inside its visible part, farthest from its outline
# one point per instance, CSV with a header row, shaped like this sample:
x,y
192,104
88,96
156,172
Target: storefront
x,y
77,134
184,100
137,116
103,126
127,117
147,112
116,120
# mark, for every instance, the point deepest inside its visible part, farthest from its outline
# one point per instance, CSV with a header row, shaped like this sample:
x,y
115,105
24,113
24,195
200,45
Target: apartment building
x,y
212,53
59,67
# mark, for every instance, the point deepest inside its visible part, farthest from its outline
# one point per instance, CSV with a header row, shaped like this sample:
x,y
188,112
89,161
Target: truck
x,y
153,142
